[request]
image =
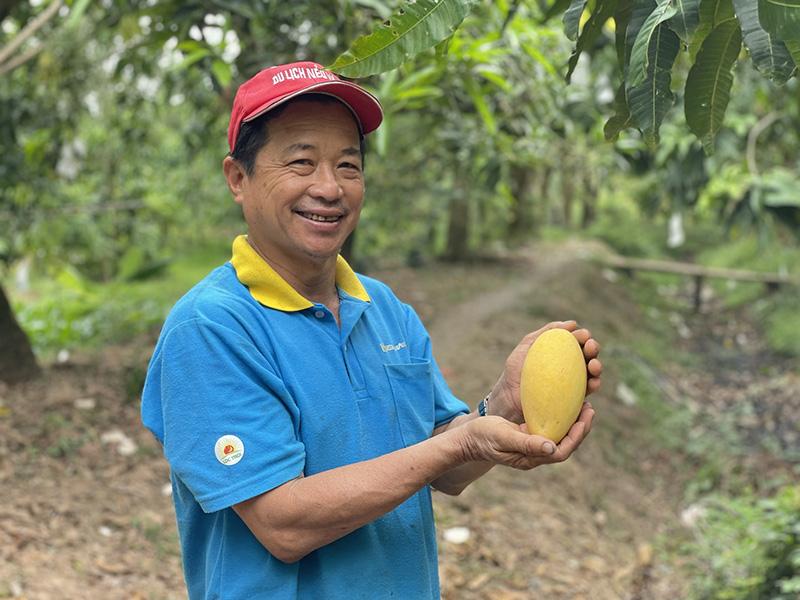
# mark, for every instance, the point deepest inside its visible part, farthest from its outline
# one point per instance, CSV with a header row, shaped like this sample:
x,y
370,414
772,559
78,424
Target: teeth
x,y
320,218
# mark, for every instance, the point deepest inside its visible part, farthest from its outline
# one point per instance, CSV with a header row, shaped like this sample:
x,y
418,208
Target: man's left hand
x,y
504,399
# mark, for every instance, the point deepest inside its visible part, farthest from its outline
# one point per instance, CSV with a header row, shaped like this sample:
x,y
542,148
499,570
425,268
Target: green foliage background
x,y
113,130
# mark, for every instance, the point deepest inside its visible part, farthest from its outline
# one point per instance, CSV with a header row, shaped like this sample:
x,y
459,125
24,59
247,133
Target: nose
x,y
325,185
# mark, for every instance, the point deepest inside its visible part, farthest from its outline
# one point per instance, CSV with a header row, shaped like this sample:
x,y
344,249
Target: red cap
x,y
273,86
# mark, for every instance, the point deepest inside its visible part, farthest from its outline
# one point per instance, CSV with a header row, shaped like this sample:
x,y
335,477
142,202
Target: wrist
x,y
455,449
500,403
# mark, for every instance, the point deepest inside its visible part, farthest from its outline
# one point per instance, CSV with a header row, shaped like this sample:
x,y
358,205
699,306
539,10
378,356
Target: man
x,y
299,406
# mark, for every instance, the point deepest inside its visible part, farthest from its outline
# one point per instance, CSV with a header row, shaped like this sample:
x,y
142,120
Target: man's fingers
x,y
594,367
532,445
587,416
576,434
591,349
592,385
539,446
570,443
582,335
568,325
507,439
527,341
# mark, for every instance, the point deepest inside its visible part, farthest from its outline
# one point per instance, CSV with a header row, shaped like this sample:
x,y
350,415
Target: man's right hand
x,y
496,440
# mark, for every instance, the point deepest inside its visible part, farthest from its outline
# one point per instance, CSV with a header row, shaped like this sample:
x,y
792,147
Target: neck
x,y
315,280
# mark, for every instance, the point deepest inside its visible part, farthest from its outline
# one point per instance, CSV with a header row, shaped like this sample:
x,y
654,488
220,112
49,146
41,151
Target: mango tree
x,y
649,36
88,99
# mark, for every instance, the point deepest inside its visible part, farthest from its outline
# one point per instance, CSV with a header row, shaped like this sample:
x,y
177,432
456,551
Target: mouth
x,y
320,218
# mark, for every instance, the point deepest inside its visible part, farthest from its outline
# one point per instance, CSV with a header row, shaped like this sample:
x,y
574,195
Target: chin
x,y
322,254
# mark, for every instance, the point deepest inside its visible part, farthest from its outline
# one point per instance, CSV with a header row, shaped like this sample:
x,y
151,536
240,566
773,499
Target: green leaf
x,y
536,54
383,134
442,49
222,72
686,18
622,116
793,46
622,18
641,10
572,18
708,86
379,7
426,76
712,13
414,28
76,12
481,105
769,55
557,8
650,100
189,46
781,18
603,11
496,78
780,187
640,54
191,58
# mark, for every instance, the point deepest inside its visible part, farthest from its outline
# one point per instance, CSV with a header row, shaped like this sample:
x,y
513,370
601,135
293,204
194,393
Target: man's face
x,y
305,194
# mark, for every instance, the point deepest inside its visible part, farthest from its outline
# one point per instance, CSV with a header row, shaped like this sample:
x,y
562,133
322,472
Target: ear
x,y
236,178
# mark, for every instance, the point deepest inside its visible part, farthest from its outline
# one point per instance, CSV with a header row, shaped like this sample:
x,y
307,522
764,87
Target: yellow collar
x,y
273,291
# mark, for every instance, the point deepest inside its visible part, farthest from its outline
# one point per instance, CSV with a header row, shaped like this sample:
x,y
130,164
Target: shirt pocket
x,y
412,391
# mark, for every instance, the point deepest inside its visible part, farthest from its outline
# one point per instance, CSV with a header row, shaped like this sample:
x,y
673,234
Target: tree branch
x,y
32,27
510,16
752,139
20,60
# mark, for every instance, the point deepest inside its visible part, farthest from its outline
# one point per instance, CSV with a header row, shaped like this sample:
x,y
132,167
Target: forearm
x,y
307,513
310,512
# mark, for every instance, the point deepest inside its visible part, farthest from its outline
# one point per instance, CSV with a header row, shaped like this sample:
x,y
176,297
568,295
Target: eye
x,y
301,161
349,165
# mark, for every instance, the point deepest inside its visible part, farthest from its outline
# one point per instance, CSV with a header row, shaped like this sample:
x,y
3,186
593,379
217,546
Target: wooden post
x,y
698,292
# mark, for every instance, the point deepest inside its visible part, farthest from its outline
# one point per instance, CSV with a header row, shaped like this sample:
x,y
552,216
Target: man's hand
x,y
505,397
498,441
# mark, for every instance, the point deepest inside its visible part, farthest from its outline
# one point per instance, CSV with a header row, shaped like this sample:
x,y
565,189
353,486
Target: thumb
x,y
535,445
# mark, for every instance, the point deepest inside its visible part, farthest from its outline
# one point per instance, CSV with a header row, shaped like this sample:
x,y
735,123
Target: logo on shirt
x,y
229,450
392,347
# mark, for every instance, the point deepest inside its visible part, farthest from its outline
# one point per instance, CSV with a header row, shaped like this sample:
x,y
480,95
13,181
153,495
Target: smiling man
x,y
298,404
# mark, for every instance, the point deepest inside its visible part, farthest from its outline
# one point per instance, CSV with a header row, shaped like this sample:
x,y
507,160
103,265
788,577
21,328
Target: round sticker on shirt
x,y
229,450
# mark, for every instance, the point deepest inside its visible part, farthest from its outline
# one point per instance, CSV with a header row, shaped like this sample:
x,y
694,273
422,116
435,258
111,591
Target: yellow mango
x,y
553,384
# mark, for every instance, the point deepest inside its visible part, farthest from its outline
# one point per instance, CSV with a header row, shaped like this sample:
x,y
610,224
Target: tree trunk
x,y
589,208
17,362
458,226
522,222
567,197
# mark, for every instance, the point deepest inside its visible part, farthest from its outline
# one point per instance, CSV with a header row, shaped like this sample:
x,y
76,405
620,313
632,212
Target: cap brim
x,y
364,106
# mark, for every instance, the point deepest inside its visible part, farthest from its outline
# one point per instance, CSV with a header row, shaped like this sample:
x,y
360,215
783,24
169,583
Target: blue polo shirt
x,y
250,385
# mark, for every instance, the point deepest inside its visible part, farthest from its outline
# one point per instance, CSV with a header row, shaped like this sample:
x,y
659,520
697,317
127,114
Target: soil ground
x,y
86,511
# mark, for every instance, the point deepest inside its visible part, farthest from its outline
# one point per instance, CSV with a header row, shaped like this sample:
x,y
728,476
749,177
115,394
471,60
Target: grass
x,y
777,312
66,311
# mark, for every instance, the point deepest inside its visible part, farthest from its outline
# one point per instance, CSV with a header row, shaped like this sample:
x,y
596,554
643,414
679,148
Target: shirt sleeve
x,y
446,405
230,427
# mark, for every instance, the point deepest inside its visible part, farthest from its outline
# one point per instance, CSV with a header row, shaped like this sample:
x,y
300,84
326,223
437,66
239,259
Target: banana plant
x,y
650,36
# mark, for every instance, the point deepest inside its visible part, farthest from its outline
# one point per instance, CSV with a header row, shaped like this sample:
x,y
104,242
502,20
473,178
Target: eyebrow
x,y
300,147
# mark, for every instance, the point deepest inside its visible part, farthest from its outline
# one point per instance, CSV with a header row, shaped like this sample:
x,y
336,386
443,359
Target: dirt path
x,y
86,513
583,529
